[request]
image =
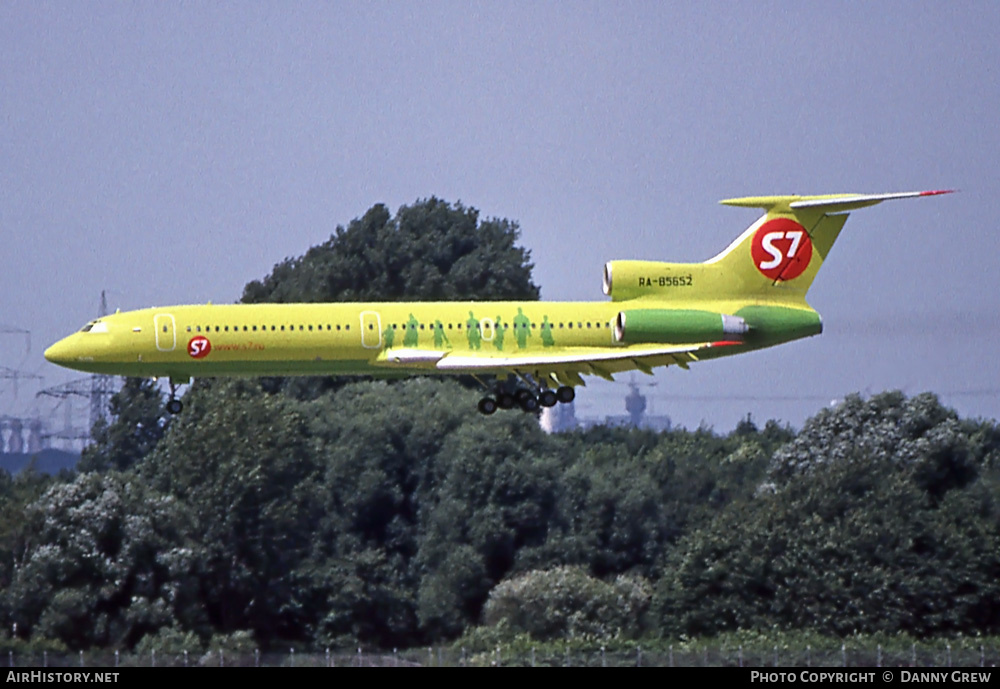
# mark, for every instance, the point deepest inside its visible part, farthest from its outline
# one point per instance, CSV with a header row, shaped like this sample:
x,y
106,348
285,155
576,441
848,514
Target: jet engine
x,y
677,326
631,279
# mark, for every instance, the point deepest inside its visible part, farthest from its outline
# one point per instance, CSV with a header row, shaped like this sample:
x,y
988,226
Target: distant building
x,y
563,417
560,418
21,435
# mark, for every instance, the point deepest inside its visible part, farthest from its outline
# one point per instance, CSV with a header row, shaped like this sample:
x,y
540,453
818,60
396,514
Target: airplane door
x,y
487,329
166,332
371,330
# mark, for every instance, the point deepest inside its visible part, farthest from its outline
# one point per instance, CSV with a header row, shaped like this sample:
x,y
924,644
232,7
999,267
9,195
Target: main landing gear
x,y
527,400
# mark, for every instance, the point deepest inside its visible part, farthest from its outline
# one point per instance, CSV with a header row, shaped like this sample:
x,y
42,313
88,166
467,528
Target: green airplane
x,y
750,296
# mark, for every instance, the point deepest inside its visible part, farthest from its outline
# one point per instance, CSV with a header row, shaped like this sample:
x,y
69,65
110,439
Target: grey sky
x,y
171,152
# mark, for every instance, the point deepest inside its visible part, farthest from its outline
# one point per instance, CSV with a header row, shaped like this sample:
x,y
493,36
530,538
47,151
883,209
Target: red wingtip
x,y
938,191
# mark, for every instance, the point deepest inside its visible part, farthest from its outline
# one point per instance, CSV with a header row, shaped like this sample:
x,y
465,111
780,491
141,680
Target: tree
x,y
486,511
106,563
430,251
17,492
568,603
917,433
881,516
241,464
382,448
137,425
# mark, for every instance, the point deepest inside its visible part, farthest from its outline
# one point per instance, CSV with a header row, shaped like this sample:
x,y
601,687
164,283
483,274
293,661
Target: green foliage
x,y
918,434
241,463
395,515
104,564
137,413
568,603
430,251
626,496
16,493
169,641
489,503
378,445
851,533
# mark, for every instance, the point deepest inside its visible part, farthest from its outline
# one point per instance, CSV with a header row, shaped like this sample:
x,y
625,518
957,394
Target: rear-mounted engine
x,y
677,326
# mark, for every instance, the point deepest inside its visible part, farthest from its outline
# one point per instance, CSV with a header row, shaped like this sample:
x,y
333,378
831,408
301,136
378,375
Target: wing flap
x,y
582,357
410,357
567,366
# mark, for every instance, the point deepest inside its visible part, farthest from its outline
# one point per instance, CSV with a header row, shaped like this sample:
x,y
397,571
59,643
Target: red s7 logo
x,y
199,347
781,249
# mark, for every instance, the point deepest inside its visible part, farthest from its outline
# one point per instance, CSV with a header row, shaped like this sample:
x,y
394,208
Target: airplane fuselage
x,y
193,341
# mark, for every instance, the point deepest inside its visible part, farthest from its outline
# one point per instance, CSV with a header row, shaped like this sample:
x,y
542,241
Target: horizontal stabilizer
x,y
830,202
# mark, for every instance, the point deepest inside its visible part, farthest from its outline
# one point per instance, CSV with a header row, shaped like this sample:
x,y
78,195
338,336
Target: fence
x,y
966,654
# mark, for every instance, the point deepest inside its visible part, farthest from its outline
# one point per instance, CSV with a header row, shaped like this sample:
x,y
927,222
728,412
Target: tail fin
x,y
786,247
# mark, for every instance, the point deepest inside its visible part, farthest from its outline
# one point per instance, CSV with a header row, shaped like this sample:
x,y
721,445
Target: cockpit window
x,y
95,327
87,328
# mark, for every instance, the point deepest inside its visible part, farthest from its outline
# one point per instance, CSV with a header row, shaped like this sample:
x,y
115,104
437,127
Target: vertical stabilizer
x,y
780,254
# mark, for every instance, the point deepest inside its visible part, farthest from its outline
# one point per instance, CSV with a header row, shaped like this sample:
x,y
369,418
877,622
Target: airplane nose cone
x,y
60,353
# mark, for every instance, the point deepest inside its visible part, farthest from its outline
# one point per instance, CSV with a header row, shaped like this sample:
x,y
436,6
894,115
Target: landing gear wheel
x,y
487,406
506,400
565,394
174,406
521,395
529,403
548,398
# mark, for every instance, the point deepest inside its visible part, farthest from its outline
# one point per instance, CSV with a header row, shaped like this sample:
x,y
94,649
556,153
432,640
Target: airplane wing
x,y
566,365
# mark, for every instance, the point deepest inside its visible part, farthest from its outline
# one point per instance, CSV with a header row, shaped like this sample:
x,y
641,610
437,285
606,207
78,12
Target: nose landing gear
x,y
174,405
